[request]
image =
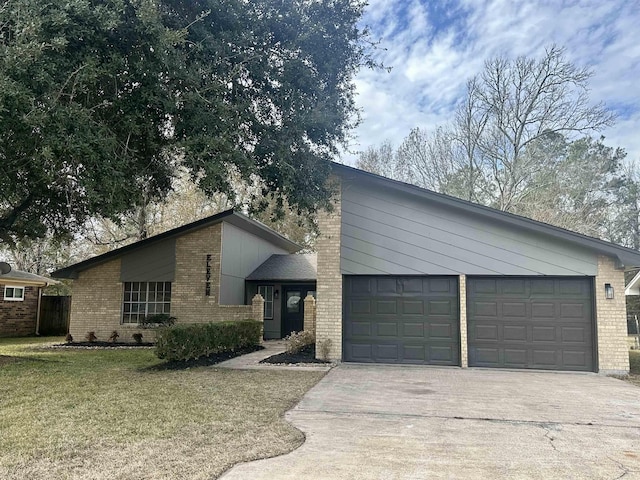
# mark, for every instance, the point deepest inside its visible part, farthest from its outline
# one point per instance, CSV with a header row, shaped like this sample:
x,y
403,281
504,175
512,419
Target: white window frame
x,y
268,299
125,318
13,298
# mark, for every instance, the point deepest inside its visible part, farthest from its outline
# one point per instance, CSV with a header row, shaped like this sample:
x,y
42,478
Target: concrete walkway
x,y
251,361
386,422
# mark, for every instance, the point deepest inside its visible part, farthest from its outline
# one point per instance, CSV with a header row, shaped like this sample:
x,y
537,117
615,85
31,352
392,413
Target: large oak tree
x,y
99,98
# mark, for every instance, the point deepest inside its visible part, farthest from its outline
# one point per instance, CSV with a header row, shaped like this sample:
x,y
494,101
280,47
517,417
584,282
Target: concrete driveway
x,y
387,422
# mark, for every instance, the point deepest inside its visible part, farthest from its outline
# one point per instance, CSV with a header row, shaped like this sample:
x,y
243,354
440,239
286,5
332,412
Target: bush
x,y
296,341
137,337
186,342
324,347
114,336
157,320
91,337
68,338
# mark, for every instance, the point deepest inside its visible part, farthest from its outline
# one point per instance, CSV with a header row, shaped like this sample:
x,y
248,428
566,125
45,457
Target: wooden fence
x,y
54,315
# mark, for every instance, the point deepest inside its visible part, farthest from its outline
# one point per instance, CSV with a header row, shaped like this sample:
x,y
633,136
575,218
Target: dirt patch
x,y
306,355
6,359
205,361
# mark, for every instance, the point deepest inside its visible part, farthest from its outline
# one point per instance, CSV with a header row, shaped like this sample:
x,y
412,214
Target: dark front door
x,y
293,307
542,323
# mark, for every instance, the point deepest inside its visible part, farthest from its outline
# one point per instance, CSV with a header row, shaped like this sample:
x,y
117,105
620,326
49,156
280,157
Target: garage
x,y
401,319
539,323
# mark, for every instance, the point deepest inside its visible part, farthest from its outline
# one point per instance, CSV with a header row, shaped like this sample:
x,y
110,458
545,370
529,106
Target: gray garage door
x,y
390,319
543,323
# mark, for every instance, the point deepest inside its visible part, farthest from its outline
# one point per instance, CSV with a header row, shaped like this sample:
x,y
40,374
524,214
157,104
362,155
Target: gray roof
x,y
237,219
627,257
287,267
25,277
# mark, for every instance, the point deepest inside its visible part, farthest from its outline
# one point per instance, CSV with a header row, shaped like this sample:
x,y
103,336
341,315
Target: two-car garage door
x,y
542,323
513,322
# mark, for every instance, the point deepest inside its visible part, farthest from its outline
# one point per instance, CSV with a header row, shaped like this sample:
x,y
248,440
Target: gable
x,y
389,231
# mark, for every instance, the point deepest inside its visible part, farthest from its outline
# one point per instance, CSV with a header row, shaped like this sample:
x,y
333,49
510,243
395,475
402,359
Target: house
x,y
406,275
20,302
196,273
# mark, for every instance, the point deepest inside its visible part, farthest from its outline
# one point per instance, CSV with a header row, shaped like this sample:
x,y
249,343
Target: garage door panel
x,y
543,334
556,331
514,309
385,307
412,307
413,320
517,333
514,357
413,330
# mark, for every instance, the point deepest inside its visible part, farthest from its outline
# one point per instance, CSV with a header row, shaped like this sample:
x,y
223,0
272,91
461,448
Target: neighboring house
x,y
406,275
196,273
20,301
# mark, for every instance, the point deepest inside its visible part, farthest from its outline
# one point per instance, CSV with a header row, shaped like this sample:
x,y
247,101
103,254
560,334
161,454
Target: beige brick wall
x,y
189,304
309,320
611,315
329,286
462,293
97,294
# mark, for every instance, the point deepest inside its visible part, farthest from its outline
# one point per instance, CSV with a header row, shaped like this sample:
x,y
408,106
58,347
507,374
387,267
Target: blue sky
x,y
434,47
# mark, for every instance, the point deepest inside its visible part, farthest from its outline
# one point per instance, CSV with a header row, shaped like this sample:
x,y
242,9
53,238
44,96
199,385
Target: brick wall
x,y
462,295
98,293
611,315
329,285
18,319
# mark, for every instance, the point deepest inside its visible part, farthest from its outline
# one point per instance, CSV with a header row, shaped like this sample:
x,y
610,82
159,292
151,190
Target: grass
x,y
103,414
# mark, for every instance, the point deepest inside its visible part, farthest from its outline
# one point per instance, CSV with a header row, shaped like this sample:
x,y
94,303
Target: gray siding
x,y
242,253
153,263
385,231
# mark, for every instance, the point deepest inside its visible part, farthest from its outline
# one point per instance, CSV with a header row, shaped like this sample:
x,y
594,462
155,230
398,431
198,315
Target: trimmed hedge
x,y
187,342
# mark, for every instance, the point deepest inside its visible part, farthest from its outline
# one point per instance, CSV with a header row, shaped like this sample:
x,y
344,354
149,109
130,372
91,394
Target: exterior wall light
x,y
608,291
276,293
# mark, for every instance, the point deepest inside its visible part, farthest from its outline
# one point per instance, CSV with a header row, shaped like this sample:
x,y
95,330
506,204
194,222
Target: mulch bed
x,y
306,355
205,361
103,345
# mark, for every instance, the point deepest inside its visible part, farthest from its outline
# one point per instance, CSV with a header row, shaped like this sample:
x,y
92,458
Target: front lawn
x,y
104,414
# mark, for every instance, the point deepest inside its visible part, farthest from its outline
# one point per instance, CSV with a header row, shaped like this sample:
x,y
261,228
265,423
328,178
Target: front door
x,y
293,307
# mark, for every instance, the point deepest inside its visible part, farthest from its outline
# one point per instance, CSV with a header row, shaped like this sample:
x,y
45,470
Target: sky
x,y
435,46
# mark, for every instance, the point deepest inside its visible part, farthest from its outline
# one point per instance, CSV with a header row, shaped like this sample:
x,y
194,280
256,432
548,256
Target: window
x,y
267,293
14,294
145,298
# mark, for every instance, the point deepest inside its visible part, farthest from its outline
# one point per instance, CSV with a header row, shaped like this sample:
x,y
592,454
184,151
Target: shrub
x,y
296,341
68,338
157,320
186,342
114,336
137,337
324,347
91,337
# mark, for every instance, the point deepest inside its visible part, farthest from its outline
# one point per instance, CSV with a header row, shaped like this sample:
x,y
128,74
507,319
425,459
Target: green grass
x,y
104,414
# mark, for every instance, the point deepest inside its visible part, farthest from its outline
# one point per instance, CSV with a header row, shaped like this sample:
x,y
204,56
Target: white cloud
x,y
433,55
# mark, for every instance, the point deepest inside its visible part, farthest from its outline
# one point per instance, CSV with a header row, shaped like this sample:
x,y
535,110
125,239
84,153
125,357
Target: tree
x,y
97,99
512,104
380,160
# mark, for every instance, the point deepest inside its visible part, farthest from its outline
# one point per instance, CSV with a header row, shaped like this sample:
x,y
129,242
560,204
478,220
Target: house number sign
x,y
207,285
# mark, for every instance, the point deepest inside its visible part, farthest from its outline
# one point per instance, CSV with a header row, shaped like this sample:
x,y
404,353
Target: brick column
x,y
329,286
310,314
462,292
611,315
257,310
